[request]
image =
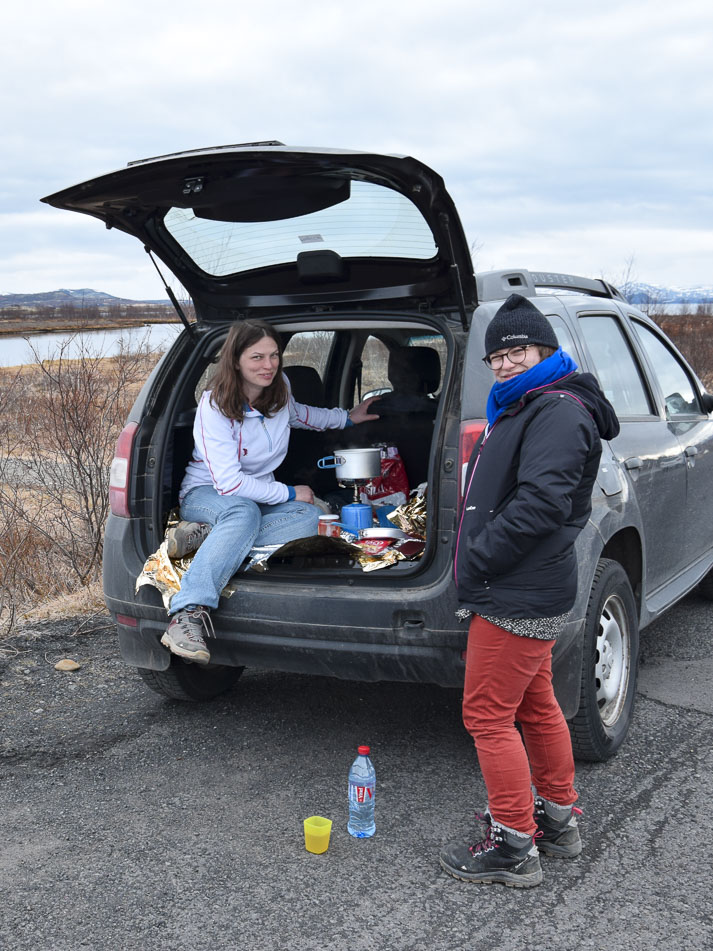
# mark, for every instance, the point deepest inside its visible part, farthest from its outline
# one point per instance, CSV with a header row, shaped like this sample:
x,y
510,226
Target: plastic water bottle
x,y
362,785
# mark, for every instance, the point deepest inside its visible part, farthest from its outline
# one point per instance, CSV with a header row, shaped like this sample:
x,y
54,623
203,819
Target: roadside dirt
x,y
40,703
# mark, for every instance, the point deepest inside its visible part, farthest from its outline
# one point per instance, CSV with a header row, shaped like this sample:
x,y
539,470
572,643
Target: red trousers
x,y
508,678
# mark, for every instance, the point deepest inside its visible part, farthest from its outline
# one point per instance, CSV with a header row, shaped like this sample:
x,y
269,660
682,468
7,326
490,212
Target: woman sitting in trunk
x,y
241,434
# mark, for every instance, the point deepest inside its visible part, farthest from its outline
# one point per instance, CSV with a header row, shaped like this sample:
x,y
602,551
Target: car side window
x,y
562,332
615,365
310,348
679,395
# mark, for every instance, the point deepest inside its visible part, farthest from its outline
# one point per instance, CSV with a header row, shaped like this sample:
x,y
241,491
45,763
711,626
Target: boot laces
x,y
491,841
541,811
196,534
201,615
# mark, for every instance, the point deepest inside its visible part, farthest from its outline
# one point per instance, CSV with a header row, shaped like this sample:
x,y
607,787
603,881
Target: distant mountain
x,y
639,293
77,298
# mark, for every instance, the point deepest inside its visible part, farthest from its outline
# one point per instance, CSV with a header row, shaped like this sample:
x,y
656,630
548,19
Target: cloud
x,y
549,119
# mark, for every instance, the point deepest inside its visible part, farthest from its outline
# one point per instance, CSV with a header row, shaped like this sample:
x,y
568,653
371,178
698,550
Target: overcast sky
x,y
573,137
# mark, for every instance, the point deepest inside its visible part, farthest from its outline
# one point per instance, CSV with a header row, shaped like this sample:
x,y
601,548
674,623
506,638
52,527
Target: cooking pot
x,y
356,465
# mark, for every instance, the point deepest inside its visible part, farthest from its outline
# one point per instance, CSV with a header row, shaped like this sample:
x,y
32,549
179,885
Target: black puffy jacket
x,y
528,495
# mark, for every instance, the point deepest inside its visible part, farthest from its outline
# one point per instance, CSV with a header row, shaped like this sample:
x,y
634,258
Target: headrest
x,y
306,385
414,370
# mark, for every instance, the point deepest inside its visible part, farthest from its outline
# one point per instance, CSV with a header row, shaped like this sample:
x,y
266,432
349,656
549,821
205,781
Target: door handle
x,y
633,463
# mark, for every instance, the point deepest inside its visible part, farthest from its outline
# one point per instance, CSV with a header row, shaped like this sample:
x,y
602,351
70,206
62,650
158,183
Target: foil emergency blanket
x,y
411,517
165,574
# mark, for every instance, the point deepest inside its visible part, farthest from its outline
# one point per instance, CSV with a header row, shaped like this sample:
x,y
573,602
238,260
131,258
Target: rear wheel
x,y
609,666
186,681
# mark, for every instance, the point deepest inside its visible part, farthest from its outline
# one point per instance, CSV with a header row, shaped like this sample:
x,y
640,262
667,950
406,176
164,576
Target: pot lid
x,y
262,228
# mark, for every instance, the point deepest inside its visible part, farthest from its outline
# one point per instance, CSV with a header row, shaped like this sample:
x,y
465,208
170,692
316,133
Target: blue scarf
x,y
549,370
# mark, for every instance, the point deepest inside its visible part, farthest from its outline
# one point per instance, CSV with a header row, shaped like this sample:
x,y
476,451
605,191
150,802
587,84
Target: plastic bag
x,y
392,480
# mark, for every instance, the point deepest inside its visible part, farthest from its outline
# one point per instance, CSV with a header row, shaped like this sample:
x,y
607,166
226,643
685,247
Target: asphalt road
x,y
132,822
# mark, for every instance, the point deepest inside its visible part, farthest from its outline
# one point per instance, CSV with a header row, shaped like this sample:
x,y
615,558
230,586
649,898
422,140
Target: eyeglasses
x,y
515,355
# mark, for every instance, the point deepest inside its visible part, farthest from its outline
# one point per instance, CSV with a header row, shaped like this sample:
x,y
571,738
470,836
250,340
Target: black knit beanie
x,y
517,323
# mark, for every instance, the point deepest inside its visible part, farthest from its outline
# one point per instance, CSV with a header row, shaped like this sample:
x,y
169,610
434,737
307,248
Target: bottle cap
x,y
364,750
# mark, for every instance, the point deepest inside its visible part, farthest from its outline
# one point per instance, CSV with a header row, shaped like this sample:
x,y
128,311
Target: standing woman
x,y
528,495
241,434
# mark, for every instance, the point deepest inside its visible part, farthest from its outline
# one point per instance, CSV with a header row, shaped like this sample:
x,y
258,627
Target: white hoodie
x,y
240,458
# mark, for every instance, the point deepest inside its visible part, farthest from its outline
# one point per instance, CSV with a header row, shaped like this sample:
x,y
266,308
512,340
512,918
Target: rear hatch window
x,y
372,222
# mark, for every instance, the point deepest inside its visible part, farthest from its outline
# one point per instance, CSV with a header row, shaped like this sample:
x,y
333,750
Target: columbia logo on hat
x,y
519,319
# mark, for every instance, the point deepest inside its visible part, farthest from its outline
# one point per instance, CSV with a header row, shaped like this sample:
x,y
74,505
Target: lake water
x,y
16,351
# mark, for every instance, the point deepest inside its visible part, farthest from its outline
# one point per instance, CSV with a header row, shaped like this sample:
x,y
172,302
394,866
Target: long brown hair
x,y
227,392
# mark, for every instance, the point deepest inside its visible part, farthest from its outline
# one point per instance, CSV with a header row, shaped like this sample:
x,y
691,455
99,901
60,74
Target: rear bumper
x,y
352,628
346,658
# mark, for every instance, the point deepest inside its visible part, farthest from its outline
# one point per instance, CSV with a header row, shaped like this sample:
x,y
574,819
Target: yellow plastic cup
x,y
317,832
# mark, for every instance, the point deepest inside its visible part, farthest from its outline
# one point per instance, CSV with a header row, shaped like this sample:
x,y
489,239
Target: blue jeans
x,y
238,524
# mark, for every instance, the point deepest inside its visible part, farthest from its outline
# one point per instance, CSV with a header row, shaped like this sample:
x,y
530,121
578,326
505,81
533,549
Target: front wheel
x,y
186,681
609,666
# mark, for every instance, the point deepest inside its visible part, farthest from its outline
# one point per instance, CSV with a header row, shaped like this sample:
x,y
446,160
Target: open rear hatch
x,y
263,228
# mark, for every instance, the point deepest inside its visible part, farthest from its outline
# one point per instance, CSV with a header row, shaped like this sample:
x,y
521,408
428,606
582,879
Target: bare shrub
x,y
60,421
693,335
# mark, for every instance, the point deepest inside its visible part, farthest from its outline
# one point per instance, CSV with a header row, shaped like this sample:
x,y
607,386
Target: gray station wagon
x,y
360,262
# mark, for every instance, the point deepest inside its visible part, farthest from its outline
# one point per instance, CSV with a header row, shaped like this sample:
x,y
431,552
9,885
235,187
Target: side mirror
x,y
707,402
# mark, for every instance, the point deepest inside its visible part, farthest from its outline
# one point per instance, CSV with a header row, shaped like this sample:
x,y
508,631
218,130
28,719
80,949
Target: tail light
x,y
120,473
470,432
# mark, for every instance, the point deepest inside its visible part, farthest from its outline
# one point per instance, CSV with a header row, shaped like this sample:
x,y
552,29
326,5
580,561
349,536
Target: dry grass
x,y
693,335
86,600
18,322
61,418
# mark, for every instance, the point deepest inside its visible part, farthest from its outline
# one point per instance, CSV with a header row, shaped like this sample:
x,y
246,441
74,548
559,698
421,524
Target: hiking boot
x,y
502,856
557,832
185,538
184,635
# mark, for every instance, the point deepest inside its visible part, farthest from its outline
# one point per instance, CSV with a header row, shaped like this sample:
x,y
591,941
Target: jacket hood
x,y
586,388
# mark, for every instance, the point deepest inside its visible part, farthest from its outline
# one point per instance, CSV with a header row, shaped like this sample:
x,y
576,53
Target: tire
x,y
191,682
705,587
610,660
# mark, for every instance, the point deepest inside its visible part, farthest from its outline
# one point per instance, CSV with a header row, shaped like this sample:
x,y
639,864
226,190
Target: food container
x,y
329,525
353,465
380,532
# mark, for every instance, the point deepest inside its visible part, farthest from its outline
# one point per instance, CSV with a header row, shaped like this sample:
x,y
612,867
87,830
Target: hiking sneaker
x,y
557,832
185,538
184,635
502,856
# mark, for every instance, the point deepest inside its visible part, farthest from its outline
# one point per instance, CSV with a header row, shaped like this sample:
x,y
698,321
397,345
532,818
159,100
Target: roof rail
x,y
496,285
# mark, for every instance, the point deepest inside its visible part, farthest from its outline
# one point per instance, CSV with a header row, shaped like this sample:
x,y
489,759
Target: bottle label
x,y
360,794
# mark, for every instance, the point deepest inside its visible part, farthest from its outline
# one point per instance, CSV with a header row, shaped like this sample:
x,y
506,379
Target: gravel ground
x,y
134,822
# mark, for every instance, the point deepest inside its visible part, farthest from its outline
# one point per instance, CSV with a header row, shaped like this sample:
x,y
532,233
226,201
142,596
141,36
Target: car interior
x,y
404,373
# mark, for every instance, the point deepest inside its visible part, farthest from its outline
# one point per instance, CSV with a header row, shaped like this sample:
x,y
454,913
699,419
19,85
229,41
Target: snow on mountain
x,y
638,293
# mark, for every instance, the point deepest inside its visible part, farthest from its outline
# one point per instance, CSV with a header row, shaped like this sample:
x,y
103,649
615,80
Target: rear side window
x,y
679,395
310,348
375,380
563,334
615,365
